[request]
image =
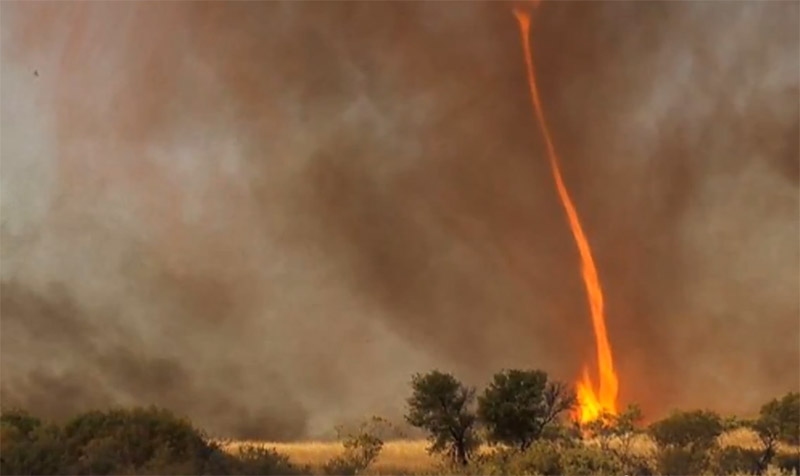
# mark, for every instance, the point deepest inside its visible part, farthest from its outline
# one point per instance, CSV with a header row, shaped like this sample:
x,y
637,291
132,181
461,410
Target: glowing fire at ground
x,y
593,402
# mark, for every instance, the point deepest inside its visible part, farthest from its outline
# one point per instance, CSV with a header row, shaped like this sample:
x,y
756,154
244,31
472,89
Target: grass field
x,y
407,456
411,457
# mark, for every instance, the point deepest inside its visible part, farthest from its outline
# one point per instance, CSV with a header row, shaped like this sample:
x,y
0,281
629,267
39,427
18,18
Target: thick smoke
x,y
268,215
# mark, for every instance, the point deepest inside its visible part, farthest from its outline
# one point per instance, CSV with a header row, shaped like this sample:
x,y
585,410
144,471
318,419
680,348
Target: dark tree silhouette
x,y
519,404
778,421
441,405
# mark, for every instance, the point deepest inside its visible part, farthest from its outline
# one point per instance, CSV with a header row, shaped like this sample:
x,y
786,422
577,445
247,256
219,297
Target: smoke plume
x,y
266,216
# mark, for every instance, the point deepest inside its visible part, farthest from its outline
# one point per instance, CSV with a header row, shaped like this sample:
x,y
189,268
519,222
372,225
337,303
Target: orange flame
x,y
592,402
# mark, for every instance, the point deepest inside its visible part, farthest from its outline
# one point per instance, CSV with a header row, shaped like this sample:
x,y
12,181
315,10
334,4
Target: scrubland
x,y
412,457
519,425
403,456
153,441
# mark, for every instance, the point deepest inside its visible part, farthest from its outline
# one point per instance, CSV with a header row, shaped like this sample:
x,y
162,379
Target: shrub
x,y
585,460
685,440
441,405
361,448
21,421
697,430
567,433
136,440
28,446
789,462
679,460
622,428
638,465
519,404
494,463
732,460
547,458
257,460
776,471
542,458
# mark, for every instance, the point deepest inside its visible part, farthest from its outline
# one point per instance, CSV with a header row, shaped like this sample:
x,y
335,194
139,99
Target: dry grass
x,y
405,455
743,438
410,456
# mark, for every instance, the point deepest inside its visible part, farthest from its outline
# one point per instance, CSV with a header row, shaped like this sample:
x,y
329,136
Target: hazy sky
x,y
268,215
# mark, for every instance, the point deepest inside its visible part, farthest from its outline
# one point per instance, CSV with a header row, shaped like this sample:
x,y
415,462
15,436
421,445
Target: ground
x,y
410,456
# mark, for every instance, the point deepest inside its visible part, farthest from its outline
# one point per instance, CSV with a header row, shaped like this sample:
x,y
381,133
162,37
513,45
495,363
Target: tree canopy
x,y
518,405
442,406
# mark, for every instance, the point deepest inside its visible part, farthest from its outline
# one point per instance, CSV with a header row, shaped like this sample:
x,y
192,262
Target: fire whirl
x,y
593,401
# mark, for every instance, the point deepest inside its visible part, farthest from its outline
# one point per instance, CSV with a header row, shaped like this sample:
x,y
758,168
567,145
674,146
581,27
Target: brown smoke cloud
x,y
268,215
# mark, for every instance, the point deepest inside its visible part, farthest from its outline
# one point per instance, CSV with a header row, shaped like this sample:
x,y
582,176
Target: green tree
x,y
442,406
519,404
778,421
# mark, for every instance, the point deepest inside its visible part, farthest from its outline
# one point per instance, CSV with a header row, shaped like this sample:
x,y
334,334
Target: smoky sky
x,y
267,216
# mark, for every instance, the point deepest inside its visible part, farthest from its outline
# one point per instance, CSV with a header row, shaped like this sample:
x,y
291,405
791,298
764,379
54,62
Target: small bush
x,y
21,421
546,458
789,462
776,471
563,433
680,460
621,430
638,465
623,427
493,463
136,440
685,440
257,460
697,429
731,460
542,458
361,448
341,466
27,446
585,460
